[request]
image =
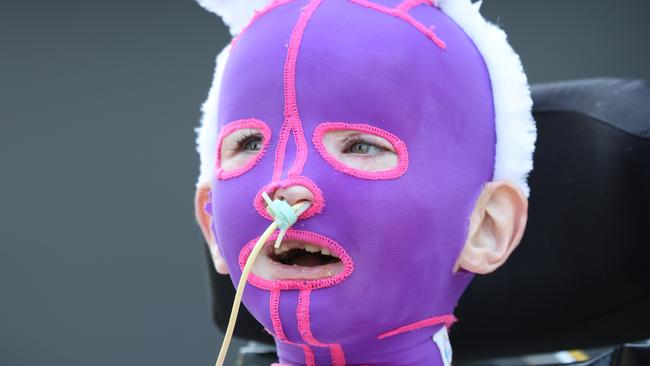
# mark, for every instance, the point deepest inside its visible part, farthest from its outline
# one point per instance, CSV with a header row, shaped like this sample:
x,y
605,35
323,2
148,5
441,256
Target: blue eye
x,y
249,142
361,147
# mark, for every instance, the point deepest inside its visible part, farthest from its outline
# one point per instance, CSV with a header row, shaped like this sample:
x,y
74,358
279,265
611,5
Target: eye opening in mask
x,y
361,150
241,144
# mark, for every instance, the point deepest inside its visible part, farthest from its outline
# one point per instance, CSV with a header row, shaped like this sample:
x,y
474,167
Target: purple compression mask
x,y
304,69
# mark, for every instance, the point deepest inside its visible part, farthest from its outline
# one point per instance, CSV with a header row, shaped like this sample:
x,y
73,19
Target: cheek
x,y
234,217
231,161
417,221
403,238
381,162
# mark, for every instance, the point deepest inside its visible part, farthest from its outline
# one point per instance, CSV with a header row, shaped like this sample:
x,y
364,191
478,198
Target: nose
x,y
294,190
293,194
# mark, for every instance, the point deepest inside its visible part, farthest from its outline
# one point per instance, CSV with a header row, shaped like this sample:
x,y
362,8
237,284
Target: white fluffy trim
x,y
235,13
206,140
515,126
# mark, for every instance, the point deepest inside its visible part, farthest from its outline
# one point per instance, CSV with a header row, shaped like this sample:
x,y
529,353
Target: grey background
x,y
100,260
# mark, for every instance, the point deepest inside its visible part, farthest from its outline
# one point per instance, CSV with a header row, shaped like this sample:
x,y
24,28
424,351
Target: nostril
x,y
293,194
294,191
278,195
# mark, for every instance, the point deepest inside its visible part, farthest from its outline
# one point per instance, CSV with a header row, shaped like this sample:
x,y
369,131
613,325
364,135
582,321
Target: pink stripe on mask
x,y
292,120
407,5
336,351
274,305
447,320
398,13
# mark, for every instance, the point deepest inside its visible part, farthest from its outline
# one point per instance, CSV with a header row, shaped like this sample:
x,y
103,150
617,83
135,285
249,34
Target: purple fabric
x,y
404,235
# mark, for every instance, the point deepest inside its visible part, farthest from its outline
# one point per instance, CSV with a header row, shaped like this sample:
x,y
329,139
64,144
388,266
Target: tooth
x,y
312,248
280,250
325,251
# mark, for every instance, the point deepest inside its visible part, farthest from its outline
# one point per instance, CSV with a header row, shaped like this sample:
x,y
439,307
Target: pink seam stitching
x,y
310,360
230,128
317,205
274,308
291,114
304,327
285,130
337,354
448,320
406,17
303,319
308,236
399,145
301,149
291,103
407,5
257,15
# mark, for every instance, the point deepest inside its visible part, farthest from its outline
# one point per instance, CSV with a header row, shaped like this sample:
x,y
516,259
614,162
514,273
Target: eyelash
x,y
245,138
248,136
351,141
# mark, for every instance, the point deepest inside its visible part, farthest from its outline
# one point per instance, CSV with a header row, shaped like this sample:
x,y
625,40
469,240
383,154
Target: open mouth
x,y
297,260
302,256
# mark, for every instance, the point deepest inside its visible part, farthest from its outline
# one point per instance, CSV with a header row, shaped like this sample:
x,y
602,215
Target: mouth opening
x,y
304,260
307,256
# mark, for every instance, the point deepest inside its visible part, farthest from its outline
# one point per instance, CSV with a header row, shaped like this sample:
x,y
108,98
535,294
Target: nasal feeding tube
x,y
284,216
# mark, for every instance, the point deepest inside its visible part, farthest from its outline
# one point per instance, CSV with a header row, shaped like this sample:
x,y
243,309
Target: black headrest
x,y
581,276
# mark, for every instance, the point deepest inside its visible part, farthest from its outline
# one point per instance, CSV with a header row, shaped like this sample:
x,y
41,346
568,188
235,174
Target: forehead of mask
x,y
357,65
361,66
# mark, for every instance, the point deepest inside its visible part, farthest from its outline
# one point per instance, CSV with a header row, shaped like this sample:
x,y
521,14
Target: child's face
x,y
362,151
389,136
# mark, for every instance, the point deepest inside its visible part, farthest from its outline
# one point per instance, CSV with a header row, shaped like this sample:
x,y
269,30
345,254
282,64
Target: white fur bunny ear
x,y
235,13
515,126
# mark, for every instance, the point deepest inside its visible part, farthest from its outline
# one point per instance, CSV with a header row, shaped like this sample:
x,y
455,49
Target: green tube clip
x,y
282,213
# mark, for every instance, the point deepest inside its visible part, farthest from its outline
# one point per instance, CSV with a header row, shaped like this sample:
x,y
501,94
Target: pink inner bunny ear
x,y
236,14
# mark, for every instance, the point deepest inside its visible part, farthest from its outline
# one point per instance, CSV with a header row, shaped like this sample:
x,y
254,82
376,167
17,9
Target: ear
x,y
204,218
496,227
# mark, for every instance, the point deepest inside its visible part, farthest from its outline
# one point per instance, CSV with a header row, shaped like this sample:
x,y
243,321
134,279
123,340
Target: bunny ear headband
x,y
515,127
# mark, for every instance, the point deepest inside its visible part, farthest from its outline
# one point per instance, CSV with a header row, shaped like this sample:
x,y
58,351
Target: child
x,y
406,127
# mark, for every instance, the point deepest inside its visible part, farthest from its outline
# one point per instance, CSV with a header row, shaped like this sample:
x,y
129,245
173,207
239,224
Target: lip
x,y
268,268
270,274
